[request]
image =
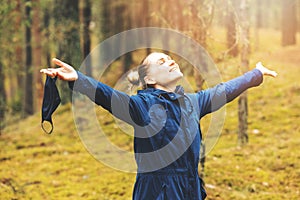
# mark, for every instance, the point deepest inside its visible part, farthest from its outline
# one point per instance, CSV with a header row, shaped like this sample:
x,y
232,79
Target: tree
x,y
146,23
2,97
259,21
106,27
86,15
46,9
245,51
298,17
138,9
289,22
259,14
37,52
16,89
5,9
66,17
122,22
231,23
28,95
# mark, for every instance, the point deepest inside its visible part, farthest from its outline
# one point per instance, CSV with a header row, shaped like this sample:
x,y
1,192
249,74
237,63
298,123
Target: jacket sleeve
x,y
214,98
114,101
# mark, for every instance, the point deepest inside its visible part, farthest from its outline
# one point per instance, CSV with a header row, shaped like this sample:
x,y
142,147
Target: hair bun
x,y
133,77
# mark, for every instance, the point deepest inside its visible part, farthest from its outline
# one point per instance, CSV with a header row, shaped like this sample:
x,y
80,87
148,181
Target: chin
x,y
180,74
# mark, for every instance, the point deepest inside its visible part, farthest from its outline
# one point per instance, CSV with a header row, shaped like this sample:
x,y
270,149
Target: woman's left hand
x,y
65,71
265,71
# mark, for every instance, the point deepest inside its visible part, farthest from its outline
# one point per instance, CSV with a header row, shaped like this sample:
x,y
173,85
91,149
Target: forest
x,y
234,33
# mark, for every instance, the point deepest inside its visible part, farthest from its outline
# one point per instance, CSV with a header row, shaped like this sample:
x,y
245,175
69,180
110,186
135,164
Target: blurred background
x,y
235,33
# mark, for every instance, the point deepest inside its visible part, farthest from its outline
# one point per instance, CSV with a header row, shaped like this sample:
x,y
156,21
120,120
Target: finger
x,y
270,73
52,75
62,64
46,71
58,62
273,74
43,70
50,72
259,64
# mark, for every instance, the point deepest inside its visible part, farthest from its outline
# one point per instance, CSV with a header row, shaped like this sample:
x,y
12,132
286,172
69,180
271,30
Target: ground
x,y
34,165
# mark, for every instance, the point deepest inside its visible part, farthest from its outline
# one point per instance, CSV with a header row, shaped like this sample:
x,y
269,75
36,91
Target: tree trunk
x,y
46,24
258,23
37,52
2,98
243,116
289,22
245,50
259,12
86,38
146,23
66,14
17,92
298,17
28,96
106,28
199,34
127,58
232,46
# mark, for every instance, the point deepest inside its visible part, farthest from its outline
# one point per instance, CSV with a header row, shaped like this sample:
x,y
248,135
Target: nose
x,y
171,62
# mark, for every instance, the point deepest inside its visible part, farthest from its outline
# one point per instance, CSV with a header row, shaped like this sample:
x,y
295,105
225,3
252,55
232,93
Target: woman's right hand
x,y
65,71
265,71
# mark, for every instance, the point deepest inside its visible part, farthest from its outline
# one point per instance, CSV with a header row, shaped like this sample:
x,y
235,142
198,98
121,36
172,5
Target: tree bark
x,y
37,52
127,59
289,22
199,34
46,24
66,15
232,8
243,119
16,86
2,98
28,96
146,23
86,37
298,15
106,28
259,12
245,50
258,23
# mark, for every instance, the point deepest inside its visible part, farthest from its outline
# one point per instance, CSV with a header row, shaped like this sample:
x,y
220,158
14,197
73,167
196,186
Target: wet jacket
x,y
167,131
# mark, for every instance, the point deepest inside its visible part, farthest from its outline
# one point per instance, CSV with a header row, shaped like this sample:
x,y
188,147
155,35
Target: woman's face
x,y
162,70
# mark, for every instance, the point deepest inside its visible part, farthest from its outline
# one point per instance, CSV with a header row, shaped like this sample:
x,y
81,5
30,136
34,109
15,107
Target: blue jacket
x,y
167,131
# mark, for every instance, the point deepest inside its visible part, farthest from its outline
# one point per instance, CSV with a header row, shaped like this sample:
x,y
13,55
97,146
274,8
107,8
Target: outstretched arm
x,y
118,103
214,98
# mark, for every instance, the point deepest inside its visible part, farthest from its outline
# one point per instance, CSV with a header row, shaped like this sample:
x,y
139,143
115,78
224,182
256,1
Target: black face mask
x,y
50,102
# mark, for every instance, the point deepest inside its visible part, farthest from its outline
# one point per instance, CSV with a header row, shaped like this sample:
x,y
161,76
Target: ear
x,y
149,81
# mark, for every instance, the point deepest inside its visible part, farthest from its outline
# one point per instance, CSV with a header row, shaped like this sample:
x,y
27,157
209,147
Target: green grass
x,y
34,165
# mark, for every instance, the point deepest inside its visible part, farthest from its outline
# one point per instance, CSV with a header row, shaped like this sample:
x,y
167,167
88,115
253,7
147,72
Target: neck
x,y
168,88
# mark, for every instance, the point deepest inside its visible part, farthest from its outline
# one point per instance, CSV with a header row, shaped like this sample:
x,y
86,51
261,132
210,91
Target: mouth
x,y
173,69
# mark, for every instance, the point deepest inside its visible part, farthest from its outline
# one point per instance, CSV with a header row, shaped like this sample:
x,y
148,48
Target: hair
x,y
137,77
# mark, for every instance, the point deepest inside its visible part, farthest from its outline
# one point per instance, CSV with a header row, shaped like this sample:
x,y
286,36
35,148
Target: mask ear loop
x,y
48,132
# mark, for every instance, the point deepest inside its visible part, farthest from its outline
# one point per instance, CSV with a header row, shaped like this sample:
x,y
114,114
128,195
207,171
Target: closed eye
x,y
161,61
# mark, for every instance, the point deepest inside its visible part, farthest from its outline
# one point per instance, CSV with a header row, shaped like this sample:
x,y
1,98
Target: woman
x,y
165,120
